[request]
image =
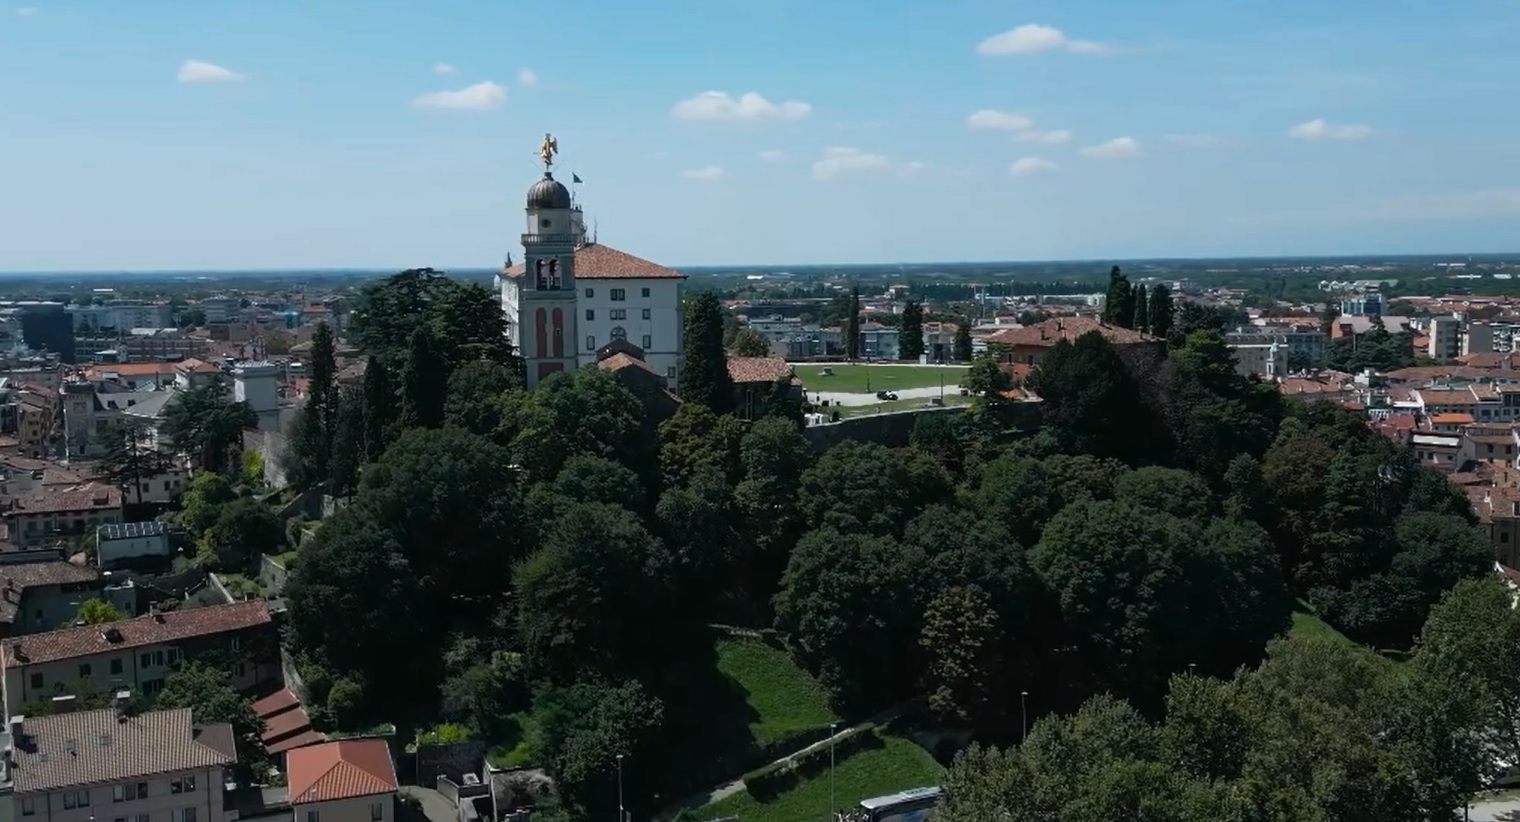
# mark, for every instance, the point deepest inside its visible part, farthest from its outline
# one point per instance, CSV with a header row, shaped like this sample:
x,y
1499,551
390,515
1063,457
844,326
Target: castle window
x,y
619,334
619,295
645,295
590,314
590,343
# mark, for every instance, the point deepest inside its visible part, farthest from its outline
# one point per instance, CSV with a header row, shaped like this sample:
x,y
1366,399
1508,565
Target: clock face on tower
x,y
545,223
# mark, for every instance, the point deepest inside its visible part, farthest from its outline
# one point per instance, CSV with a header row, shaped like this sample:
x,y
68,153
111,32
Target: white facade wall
x,y
647,310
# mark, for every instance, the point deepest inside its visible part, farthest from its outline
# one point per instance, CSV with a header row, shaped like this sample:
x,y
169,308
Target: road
x,y
434,805
842,398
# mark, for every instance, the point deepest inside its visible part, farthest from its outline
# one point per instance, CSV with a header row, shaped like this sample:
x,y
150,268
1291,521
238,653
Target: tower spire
x,y
546,151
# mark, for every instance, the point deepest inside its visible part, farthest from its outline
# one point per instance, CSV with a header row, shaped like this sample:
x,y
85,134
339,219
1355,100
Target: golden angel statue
x,y
546,151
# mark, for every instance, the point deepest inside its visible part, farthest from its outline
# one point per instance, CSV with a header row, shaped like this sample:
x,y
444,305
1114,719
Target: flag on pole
x,y
575,178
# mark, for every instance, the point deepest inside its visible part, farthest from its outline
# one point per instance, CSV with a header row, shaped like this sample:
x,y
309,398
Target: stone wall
x,y
271,575
452,760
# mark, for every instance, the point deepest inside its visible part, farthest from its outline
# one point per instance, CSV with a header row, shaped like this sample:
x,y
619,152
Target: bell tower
x,y
547,291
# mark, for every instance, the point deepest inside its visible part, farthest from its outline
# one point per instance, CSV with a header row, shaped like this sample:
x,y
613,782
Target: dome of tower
x,y
548,193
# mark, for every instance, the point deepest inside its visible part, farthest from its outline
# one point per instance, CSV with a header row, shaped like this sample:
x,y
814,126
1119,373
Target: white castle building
x,y
571,296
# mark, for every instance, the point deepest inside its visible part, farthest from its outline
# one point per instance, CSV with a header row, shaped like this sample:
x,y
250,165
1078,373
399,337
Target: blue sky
x,y
234,134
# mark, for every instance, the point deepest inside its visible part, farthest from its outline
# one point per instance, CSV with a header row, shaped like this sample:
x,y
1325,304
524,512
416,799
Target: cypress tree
x,y
1142,318
379,408
1160,312
963,341
704,375
910,334
424,382
852,326
1119,304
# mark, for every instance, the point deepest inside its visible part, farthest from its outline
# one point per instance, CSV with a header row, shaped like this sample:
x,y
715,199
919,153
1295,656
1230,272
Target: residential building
x,y
1305,342
1478,339
1445,338
1029,344
194,373
571,295
43,595
117,544
346,780
257,383
1269,360
220,309
110,764
138,653
626,364
756,381
75,509
877,341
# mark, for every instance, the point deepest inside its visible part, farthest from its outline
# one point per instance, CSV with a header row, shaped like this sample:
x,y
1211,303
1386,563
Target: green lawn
x,y
783,700
895,764
853,379
1306,624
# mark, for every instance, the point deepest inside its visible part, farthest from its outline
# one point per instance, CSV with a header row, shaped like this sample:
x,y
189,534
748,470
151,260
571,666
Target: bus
x,y
913,805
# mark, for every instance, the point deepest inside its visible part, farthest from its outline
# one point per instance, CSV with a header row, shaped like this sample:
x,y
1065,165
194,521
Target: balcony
x,y
549,239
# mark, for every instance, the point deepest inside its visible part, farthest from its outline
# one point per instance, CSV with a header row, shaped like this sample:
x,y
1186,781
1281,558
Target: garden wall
x,y
894,428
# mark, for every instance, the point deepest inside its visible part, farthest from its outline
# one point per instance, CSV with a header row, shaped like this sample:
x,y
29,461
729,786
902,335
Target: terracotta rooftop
x,y
1451,419
757,369
1050,331
617,362
153,629
594,261
194,366
89,496
1438,396
290,743
341,769
94,747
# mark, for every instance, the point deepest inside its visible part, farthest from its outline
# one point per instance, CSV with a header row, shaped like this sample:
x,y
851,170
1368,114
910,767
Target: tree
x,y
1142,317
475,395
1160,311
1091,403
963,350
379,408
704,377
695,438
424,383
987,380
959,635
208,424
1119,302
749,343
348,442
910,334
581,732
209,695
860,487
202,502
321,403
96,611
585,412
244,529
852,326
131,459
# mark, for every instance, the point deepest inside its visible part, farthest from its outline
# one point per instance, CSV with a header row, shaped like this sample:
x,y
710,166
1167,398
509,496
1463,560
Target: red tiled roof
x,y
757,369
277,702
300,740
153,629
194,366
1451,419
1447,397
341,769
595,261
91,496
1050,331
285,724
617,362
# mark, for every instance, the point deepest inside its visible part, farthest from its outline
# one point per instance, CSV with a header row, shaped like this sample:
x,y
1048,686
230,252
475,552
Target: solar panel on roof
x,y
130,530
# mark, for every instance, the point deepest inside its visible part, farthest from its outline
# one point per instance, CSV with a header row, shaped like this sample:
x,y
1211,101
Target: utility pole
x,y
622,814
832,807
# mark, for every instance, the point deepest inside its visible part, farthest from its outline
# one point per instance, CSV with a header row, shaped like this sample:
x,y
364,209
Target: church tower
x,y
546,289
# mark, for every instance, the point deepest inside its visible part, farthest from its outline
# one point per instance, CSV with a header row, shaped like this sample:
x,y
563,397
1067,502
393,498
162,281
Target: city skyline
x,y
244,136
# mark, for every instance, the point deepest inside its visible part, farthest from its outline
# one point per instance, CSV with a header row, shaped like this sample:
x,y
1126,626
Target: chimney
x,y
18,729
64,704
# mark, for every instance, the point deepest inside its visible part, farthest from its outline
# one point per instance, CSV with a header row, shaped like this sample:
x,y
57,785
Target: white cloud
x,y
1318,129
715,106
527,77
706,174
1114,149
479,97
839,161
443,68
26,11
991,119
773,156
1049,138
1030,165
1193,140
195,71
1033,38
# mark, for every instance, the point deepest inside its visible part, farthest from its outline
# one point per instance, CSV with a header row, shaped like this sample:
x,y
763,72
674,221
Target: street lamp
x,y
832,806
622,814
1023,716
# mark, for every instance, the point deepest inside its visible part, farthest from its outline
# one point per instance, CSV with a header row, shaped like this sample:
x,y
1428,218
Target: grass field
x,y
896,764
853,378
783,700
1306,624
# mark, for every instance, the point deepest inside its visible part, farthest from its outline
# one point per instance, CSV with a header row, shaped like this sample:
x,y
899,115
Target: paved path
x,y
842,398
434,805
1493,811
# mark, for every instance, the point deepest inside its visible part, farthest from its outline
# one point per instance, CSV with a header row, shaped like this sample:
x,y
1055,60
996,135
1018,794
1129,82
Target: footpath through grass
x,y
783,700
853,378
889,765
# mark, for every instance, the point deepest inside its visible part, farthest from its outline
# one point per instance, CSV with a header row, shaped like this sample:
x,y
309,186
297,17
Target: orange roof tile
x,y
1451,419
595,261
757,369
1050,331
341,769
